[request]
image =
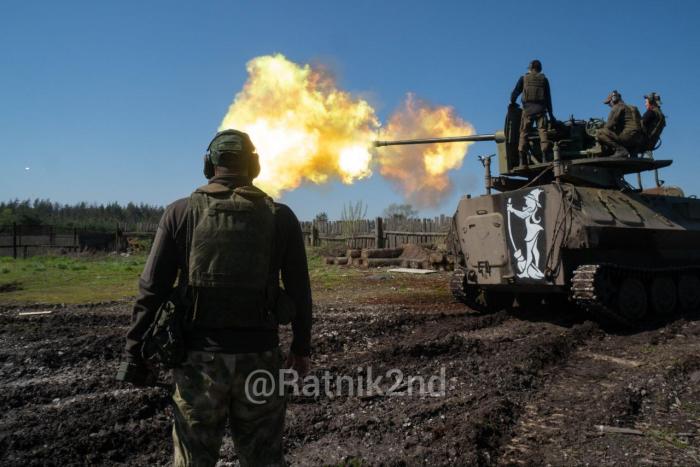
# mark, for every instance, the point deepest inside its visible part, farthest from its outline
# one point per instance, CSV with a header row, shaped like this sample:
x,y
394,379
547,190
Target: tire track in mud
x,y
620,381
40,347
336,334
88,429
58,398
491,362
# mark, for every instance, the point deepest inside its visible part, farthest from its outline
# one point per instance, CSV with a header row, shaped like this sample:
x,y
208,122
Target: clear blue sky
x,y
116,101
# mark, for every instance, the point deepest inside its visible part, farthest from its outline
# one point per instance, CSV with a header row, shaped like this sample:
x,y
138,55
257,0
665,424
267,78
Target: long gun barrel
x,y
498,137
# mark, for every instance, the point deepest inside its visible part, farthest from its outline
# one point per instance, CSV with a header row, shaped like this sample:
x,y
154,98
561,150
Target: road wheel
x,y
689,292
663,296
632,299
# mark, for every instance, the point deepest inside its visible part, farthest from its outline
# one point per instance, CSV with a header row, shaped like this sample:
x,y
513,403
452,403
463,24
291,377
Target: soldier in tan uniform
x,y
622,133
537,106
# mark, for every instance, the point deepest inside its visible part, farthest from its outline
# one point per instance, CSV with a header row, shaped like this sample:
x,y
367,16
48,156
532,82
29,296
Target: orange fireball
x,y
306,129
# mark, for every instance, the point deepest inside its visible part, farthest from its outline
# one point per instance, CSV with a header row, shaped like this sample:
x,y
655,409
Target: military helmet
x,y
653,98
229,143
614,97
234,149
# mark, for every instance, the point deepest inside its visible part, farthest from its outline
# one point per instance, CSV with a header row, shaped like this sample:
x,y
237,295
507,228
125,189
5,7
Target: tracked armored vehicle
x,y
568,226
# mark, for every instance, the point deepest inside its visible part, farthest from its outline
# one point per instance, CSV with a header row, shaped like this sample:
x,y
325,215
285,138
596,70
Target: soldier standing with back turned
x,y
229,243
537,105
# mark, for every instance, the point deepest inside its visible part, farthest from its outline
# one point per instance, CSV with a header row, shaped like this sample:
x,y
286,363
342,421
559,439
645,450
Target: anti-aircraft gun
x,y
568,226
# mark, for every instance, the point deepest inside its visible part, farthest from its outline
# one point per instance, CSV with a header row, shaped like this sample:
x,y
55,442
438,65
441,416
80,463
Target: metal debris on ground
x,y
614,429
412,271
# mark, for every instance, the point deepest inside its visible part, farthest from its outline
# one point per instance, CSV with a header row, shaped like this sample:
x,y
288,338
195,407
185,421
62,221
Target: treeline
x,y
84,215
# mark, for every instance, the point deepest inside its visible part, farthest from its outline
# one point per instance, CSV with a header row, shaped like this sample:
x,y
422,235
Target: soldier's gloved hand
x,y
298,363
136,373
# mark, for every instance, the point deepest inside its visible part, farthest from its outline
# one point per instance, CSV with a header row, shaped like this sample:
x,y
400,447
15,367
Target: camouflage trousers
x,y
209,391
540,120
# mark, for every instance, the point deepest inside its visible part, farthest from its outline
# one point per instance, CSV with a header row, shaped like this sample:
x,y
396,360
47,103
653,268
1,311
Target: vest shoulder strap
x,y
212,188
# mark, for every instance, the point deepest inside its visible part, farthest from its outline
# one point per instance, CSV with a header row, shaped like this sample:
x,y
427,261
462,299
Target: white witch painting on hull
x,y
530,230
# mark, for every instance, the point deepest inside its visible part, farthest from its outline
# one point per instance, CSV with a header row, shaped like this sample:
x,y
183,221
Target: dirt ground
x,y
522,387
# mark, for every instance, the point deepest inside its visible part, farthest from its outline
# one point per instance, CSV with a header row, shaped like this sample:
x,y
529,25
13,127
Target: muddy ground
x,y
522,387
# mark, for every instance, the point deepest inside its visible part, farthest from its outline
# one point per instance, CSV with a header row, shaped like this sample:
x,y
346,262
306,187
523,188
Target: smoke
x,y
306,129
421,171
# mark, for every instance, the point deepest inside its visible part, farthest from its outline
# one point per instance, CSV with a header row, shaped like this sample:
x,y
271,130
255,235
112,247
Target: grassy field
x,y
87,279
327,277
62,279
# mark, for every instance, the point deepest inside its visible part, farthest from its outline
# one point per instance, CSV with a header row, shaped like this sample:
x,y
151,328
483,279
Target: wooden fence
x,y
22,241
364,233
27,240
376,233
137,228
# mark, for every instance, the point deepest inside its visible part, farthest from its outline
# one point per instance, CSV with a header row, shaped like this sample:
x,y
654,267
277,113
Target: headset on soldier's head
x,y
653,98
253,161
613,98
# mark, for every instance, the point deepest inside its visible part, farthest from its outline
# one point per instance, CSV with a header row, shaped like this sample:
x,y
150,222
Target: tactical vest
x,y
230,257
534,89
653,134
633,120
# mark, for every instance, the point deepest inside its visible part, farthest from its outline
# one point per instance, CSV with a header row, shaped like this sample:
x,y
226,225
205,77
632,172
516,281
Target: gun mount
x,y
568,228
576,157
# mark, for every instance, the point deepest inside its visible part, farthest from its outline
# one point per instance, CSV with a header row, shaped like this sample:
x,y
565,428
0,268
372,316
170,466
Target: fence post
x,y
314,233
14,240
75,238
379,233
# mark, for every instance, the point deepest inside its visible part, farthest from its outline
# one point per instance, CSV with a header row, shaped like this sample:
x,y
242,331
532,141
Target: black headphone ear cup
x,y
208,167
254,166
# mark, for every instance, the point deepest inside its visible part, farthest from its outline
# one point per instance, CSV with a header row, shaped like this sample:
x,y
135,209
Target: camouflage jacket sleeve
x,y
156,281
295,278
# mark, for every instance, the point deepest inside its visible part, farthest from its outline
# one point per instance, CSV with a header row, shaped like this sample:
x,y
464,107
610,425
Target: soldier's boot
x,y
620,152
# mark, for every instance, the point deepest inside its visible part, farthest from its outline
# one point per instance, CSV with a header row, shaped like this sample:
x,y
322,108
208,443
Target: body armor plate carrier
x,y
534,87
230,257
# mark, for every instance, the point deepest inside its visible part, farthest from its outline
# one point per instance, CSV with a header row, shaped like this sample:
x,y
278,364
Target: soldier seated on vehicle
x,y
653,121
622,133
